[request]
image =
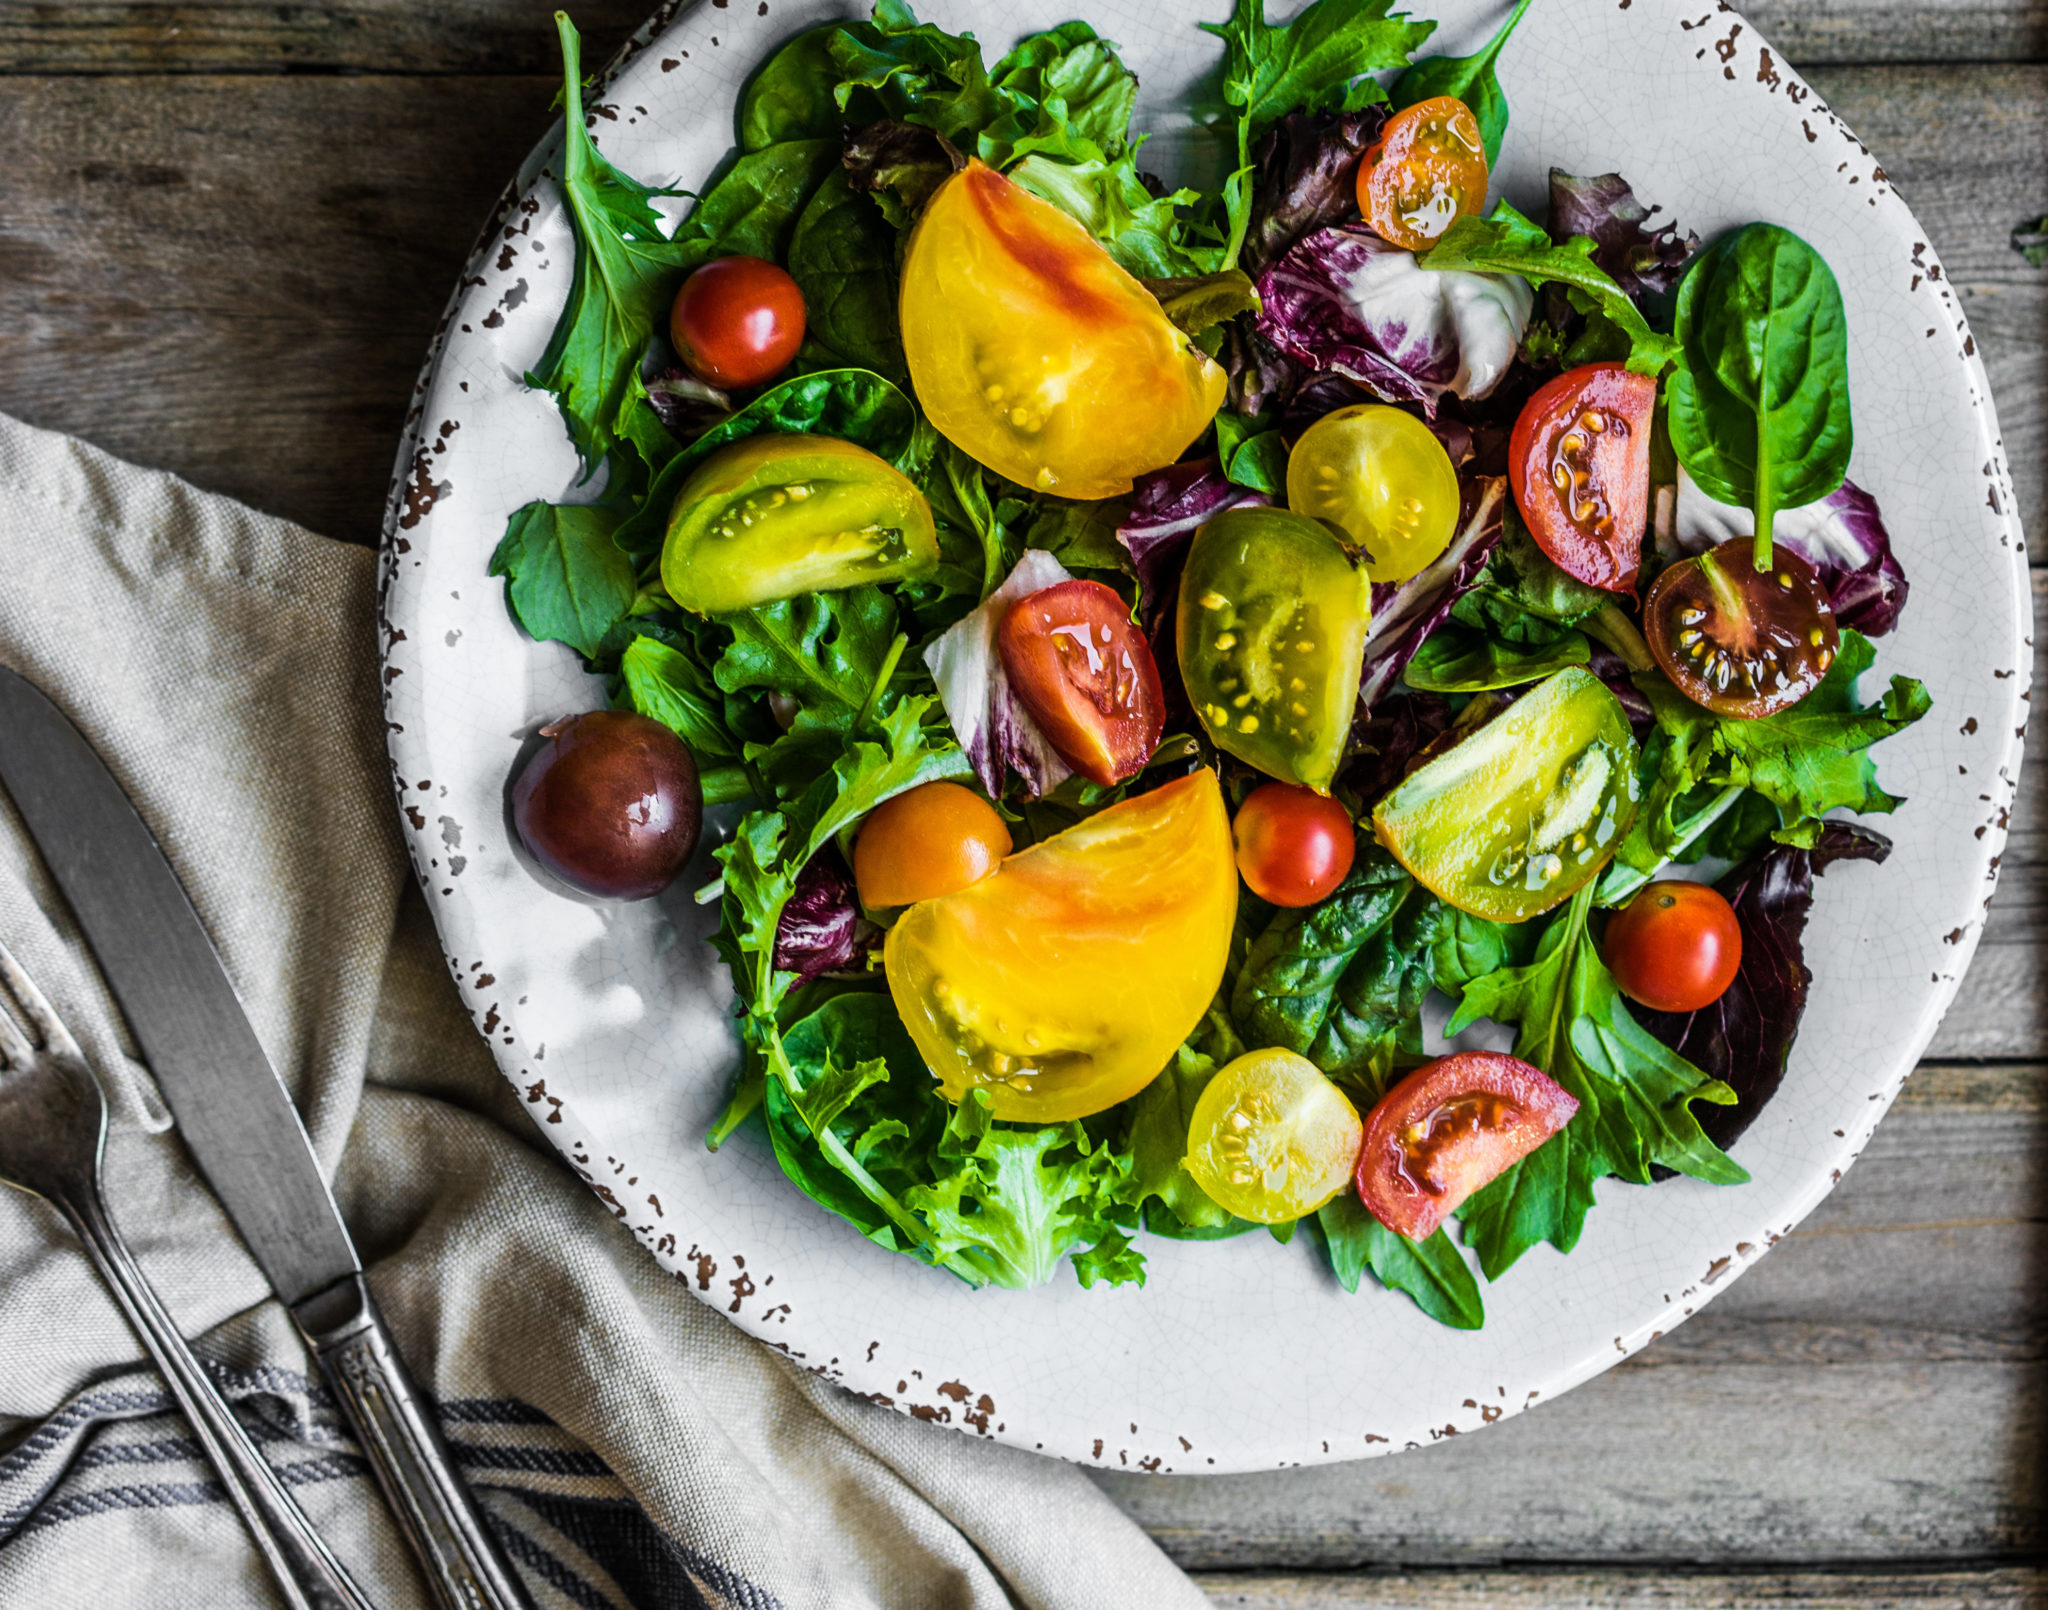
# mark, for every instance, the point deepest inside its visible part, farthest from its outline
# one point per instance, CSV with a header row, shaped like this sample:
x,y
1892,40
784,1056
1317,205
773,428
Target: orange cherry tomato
x,y
1676,947
1293,845
738,321
932,840
1579,461
1034,353
1447,1129
1427,167
1087,676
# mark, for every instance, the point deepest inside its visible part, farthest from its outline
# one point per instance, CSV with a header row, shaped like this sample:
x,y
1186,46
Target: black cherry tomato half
x,y
1676,947
1293,845
1579,460
1741,642
738,321
1427,167
1087,676
1447,1129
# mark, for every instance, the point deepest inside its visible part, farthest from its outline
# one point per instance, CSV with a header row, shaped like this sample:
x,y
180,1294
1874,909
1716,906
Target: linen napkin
x,y
630,1446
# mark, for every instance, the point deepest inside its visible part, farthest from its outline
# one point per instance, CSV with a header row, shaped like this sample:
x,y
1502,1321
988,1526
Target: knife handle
x,y
307,1573
395,1424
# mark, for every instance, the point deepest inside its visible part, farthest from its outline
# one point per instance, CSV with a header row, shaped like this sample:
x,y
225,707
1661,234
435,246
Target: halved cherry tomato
x,y
738,321
1086,675
1271,1138
1676,947
1427,167
1382,478
1447,1129
1579,459
1062,984
928,841
1741,642
1032,351
1293,845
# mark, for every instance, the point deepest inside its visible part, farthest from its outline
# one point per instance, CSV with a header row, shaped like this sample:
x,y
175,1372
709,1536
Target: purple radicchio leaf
x,y
995,729
1406,612
1387,740
1344,300
1646,263
1167,507
822,930
1305,176
1262,377
685,405
1841,535
1745,1037
1612,669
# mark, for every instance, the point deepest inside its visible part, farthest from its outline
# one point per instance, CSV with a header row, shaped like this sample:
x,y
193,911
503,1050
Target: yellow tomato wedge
x,y
1034,353
1062,984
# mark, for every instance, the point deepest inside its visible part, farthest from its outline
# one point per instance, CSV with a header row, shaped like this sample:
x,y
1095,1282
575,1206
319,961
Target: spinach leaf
x,y
753,208
843,258
1471,79
1505,242
1253,453
1433,1272
1759,411
1456,658
1466,947
1158,1132
672,688
1522,595
790,98
567,580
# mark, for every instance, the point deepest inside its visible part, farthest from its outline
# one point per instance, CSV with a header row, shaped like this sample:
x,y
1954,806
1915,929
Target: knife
x,y
241,1128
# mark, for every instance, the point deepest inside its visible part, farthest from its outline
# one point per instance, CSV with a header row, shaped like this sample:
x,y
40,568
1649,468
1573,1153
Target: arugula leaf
x,y
843,258
672,688
1457,658
1471,79
1432,1272
1506,242
1759,410
568,582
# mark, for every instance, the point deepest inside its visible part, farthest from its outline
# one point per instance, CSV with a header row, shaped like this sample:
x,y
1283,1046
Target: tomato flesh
x,y
1579,460
1740,641
1087,676
1271,635
738,321
1382,478
1293,845
1062,984
1271,1138
929,841
1447,1129
1427,167
1518,816
1676,947
1033,352
777,516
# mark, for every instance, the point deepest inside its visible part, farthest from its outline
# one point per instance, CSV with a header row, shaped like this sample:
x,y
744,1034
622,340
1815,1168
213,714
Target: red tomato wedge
x,y
1449,1128
1087,677
1580,463
1427,167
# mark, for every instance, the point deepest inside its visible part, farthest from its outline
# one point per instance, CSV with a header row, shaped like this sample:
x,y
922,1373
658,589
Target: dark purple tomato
x,y
610,804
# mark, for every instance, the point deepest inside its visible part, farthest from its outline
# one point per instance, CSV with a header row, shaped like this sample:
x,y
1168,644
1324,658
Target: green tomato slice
x,y
1519,816
778,516
1271,633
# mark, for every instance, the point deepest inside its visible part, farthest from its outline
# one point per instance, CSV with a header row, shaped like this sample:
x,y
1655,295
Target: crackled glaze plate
x,y
613,1021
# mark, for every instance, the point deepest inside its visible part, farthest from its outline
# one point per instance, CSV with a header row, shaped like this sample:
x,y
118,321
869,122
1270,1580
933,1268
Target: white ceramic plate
x,y
613,1020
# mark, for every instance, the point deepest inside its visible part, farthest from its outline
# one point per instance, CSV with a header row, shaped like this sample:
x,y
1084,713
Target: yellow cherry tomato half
x,y
1062,984
1033,352
1271,1138
1380,476
928,841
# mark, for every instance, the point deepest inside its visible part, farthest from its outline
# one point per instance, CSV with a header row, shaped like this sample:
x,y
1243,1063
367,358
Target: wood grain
x,y
515,36
1995,1589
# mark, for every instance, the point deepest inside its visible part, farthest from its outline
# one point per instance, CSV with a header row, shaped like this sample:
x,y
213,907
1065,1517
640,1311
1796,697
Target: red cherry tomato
x,y
1087,677
1580,463
1293,845
1447,1129
1675,947
1427,167
738,321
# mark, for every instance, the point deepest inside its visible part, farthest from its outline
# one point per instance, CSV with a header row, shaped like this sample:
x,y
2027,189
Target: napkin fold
x,y
631,1447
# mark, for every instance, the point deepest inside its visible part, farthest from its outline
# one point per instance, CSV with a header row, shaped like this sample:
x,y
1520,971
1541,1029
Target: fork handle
x,y
307,1572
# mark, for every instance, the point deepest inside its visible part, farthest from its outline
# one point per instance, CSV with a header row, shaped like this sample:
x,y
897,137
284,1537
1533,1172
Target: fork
x,y
53,1134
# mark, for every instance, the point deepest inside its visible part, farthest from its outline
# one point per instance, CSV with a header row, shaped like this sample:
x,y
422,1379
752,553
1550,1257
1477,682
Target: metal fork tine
x,y
35,1006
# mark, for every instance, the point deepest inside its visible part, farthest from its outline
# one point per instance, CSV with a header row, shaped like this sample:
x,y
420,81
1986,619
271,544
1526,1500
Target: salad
x,y
1159,661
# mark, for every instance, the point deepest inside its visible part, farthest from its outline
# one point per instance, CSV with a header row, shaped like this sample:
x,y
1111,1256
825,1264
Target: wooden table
x,y
186,192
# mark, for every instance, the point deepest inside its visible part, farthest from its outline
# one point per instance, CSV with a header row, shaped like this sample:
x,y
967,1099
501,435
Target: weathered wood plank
x,y
515,36
1633,1589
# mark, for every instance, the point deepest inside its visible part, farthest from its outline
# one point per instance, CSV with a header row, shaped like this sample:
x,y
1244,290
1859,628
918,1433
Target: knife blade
x,y
239,1123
